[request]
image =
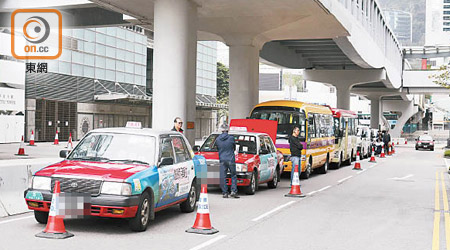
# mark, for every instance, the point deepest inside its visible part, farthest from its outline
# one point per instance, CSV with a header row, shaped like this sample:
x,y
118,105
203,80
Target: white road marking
x,y
21,218
346,178
359,172
402,178
323,189
209,242
310,193
447,163
274,210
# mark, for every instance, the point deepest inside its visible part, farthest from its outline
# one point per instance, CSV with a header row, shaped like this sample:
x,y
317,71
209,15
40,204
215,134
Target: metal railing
x,y
370,16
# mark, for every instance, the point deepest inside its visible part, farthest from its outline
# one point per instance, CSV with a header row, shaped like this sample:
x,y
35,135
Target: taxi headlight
x,y
41,182
241,167
116,188
419,143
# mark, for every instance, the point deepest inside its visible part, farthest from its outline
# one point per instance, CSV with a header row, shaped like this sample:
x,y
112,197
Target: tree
x,y
223,87
293,80
223,83
443,78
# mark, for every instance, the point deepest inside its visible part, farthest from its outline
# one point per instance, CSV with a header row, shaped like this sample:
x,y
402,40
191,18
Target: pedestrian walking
x,y
296,150
226,146
178,123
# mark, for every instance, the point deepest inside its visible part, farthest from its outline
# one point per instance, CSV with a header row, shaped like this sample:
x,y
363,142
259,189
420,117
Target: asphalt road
x,y
389,205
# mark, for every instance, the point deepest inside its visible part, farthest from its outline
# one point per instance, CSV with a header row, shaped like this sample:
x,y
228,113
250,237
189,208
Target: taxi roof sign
x,y
238,129
131,124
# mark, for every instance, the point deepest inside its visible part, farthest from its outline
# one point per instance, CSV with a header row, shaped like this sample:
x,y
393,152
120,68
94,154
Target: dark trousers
x,y
226,166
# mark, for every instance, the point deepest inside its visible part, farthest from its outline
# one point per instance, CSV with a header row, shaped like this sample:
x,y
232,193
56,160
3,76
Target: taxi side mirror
x,y
196,148
166,161
64,153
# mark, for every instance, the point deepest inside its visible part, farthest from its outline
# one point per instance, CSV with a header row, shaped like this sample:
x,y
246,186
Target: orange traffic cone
x,y
406,141
397,142
31,139
56,142
55,228
202,224
357,163
382,155
69,142
21,148
372,157
295,185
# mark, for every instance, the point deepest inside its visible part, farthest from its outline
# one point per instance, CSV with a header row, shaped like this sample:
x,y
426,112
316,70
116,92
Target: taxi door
x,y
264,156
167,186
183,168
272,160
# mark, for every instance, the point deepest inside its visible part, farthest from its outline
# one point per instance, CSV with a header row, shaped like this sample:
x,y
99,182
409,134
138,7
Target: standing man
x,y
177,125
386,141
226,145
296,148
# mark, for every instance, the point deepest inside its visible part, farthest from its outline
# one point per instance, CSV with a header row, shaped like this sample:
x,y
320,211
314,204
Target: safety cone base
x,y
295,195
202,231
54,235
357,168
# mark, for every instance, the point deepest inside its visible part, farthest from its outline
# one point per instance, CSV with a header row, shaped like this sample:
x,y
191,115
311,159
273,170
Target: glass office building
x,y
111,54
68,100
207,68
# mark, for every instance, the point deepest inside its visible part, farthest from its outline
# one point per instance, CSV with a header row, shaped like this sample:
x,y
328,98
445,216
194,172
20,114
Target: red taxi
x,y
257,159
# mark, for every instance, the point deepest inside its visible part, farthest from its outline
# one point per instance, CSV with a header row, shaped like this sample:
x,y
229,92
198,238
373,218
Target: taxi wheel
x,y
140,222
188,205
274,182
41,217
251,189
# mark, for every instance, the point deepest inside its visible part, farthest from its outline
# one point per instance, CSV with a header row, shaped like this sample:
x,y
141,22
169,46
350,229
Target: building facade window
x,y
102,52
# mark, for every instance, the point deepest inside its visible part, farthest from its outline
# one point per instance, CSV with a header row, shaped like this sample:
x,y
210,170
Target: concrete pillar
x,y
244,80
343,97
406,110
174,68
30,118
374,112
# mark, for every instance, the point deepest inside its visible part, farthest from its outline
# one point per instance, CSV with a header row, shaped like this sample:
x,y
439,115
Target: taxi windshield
x,y
245,143
425,138
115,147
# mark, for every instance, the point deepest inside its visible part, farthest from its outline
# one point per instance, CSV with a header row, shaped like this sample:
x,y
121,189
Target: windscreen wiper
x,y
91,158
131,161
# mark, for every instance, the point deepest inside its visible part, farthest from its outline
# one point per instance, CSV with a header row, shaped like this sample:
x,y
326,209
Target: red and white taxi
x,y
257,160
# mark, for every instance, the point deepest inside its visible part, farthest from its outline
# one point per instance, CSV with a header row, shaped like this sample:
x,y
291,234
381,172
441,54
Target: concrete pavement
x,y
388,205
41,150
